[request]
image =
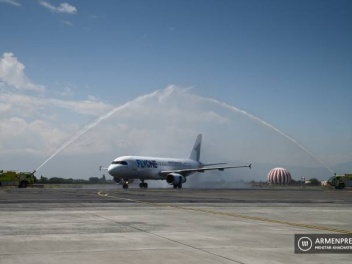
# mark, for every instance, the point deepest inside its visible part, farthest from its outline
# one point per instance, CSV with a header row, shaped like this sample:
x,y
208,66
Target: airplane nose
x,y
111,170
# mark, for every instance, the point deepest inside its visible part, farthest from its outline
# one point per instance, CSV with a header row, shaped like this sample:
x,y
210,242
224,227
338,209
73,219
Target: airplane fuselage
x,y
126,169
148,168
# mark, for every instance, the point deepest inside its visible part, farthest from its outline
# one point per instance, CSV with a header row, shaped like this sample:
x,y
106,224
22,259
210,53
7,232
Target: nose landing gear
x,y
141,185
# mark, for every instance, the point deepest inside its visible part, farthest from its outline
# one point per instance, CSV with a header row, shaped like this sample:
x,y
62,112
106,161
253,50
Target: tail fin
x,y
195,154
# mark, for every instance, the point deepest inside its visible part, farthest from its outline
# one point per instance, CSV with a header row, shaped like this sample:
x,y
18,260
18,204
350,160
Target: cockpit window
x,y
119,162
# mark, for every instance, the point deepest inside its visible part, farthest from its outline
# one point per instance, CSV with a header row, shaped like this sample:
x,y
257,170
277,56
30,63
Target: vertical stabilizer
x,y
195,154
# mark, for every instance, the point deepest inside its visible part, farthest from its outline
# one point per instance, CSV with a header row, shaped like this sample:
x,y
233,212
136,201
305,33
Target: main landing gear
x,y
178,186
143,184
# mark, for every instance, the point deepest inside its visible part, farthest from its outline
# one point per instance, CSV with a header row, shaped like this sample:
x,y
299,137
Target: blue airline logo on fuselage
x,y
146,164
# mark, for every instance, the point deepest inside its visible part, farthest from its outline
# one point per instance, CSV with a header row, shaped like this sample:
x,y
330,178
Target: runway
x,y
99,224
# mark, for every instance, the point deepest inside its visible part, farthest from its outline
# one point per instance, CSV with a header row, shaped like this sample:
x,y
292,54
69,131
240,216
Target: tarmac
x,y
106,224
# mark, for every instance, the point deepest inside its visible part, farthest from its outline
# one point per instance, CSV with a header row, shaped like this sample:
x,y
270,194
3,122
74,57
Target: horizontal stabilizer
x,y
101,168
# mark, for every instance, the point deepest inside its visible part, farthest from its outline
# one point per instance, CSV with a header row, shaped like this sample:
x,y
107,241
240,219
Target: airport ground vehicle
x,y
20,179
341,181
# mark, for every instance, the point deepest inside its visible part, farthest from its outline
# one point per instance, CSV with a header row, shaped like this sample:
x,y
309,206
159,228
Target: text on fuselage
x,y
146,164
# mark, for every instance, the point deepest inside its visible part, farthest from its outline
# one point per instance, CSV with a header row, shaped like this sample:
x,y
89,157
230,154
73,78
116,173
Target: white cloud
x,y
81,107
36,136
66,91
12,73
67,23
92,98
11,2
62,8
4,107
25,105
36,126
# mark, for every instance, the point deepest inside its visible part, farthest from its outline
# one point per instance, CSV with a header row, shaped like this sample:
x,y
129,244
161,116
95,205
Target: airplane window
x,y
119,162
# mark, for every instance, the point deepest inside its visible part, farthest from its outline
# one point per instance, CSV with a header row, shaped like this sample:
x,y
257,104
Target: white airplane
x,y
126,169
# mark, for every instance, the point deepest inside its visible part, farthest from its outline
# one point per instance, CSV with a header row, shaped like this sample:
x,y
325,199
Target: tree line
x,y
59,180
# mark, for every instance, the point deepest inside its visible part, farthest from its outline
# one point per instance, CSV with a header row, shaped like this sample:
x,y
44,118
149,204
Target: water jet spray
x,y
167,92
257,119
83,130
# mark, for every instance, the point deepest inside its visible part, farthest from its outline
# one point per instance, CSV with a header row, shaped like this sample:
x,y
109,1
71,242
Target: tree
x,y
56,180
94,180
43,179
314,182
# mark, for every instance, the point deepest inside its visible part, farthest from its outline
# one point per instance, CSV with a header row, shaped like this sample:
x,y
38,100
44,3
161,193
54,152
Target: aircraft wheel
x,y
175,186
23,184
125,186
180,186
143,185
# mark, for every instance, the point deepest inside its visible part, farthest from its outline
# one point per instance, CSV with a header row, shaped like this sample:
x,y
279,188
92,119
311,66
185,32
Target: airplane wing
x,y
202,169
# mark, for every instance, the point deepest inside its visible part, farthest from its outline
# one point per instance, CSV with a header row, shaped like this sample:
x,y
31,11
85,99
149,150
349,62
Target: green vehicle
x,y
341,181
20,179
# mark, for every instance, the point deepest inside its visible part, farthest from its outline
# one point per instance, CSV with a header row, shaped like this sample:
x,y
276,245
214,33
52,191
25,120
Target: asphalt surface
x,y
89,193
106,224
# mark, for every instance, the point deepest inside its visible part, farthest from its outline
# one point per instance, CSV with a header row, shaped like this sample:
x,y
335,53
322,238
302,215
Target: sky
x,y
266,82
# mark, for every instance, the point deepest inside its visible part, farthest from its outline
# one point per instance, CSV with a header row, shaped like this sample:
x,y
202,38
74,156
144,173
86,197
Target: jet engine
x,y
175,178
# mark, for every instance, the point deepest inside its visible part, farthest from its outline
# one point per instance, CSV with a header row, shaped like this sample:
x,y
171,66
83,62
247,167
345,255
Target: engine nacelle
x,y
175,178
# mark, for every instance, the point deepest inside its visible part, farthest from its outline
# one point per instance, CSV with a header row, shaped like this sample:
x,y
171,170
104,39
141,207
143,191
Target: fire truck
x,y
20,179
341,181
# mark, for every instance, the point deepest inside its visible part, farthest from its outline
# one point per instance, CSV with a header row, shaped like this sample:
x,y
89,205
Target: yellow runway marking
x,y
262,219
